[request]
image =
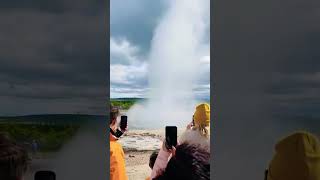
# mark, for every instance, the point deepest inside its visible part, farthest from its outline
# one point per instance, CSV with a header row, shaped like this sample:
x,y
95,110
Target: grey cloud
x,y
58,6
136,84
136,20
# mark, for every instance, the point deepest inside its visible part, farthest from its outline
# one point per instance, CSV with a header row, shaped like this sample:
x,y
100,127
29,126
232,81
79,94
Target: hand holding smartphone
x,y
45,175
123,122
171,137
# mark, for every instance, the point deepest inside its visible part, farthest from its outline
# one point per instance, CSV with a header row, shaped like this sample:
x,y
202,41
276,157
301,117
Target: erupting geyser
x,y
174,64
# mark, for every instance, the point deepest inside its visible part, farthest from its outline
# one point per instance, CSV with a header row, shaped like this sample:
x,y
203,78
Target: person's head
x,y
114,113
189,163
153,158
201,118
296,157
13,159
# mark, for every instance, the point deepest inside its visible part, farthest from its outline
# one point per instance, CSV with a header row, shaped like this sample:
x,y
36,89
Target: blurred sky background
x,y
53,57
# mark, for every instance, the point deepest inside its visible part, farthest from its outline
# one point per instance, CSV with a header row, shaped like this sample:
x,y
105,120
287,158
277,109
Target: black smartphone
x,y
171,136
123,122
45,175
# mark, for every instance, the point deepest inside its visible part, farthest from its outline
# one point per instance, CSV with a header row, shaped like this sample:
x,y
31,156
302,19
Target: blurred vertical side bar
x,y
212,93
108,89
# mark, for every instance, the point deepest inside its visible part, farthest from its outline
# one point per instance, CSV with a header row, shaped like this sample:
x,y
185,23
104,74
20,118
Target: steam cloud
x,y
175,59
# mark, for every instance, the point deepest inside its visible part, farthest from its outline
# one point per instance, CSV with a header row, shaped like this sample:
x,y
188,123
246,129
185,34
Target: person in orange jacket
x,y
117,158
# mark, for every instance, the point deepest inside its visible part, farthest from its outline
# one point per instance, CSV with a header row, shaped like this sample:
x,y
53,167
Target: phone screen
x,y
45,175
171,136
123,122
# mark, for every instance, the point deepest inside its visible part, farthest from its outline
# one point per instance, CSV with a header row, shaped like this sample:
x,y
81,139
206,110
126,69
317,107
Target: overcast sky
x,y
53,57
132,24
267,83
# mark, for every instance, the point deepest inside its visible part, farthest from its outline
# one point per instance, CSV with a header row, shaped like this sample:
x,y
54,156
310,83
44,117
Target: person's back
x,y
297,157
14,160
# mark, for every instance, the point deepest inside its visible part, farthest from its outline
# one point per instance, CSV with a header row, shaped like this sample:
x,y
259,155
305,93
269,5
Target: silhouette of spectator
x,y
35,146
14,159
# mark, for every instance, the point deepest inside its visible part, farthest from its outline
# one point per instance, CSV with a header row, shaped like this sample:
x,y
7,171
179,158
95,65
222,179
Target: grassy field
x,y
50,138
50,131
125,103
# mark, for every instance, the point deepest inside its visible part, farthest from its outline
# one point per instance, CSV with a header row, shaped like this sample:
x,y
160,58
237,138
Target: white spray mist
x,y
174,62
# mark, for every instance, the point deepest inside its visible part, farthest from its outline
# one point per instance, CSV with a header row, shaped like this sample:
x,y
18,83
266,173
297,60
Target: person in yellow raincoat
x,y
297,157
198,131
117,158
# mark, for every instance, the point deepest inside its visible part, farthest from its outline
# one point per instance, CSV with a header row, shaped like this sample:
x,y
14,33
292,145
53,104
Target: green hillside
x,y
50,131
125,103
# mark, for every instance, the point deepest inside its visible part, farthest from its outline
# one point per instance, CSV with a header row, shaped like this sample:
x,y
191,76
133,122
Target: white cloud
x,y
128,72
123,52
128,92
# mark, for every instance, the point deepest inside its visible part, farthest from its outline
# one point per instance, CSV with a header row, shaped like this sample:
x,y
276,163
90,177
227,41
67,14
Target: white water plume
x,y
174,64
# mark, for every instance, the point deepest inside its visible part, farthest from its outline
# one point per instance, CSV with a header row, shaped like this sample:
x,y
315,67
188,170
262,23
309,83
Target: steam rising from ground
x,y
174,61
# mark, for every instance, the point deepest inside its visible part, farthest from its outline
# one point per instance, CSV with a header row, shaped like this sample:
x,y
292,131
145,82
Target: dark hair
x,y
14,159
114,112
189,163
153,158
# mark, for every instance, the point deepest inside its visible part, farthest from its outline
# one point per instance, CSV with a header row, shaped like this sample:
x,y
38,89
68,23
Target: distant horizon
x,y
207,98
50,114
